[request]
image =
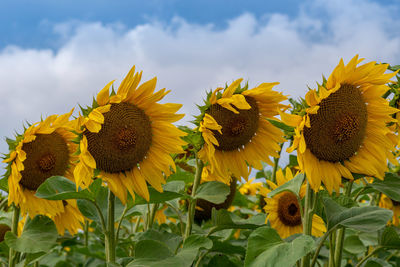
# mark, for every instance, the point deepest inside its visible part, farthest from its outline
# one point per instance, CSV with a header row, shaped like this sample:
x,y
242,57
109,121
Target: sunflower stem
x,y
332,249
86,236
153,212
307,220
120,223
110,234
14,230
368,256
276,165
192,201
341,232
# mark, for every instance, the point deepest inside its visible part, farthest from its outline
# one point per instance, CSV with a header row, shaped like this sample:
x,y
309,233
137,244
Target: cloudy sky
x,y
56,54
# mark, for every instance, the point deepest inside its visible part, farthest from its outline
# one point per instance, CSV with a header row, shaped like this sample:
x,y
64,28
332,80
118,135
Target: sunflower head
x,y
126,138
391,204
343,128
237,135
284,211
43,150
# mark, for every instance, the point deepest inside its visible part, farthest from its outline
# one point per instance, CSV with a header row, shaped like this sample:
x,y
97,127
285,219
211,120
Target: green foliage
x,y
214,192
155,253
390,186
367,219
292,185
266,248
40,234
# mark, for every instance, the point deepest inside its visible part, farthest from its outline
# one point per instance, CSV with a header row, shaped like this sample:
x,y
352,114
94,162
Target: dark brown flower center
x,y
237,129
124,139
3,230
338,129
395,203
289,209
46,156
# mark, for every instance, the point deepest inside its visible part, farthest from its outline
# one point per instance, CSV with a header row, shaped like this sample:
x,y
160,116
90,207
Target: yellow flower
x,y
43,150
250,188
128,137
236,132
71,219
160,216
344,129
284,209
390,204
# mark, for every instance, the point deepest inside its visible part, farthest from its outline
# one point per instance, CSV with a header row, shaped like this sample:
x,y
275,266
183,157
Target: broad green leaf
x,y
184,258
172,241
157,197
223,219
214,192
390,186
175,186
366,219
227,247
221,260
40,234
390,238
181,175
60,188
266,248
376,262
88,209
152,249
353,245
293,186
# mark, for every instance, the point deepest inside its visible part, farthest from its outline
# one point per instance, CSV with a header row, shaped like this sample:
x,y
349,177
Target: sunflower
x,y
284,209
127,138
390,204
250,188
237,135
71,219
45,149
343,130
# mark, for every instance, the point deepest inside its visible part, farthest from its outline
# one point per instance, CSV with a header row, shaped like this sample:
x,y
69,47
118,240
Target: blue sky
x,y
29,23
56,54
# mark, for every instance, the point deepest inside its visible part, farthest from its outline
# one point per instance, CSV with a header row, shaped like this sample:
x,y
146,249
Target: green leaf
x,y
214,192
376,262
152,249
266,248
366,219
184,258
4,184
292,185
281,125
40,234
352,244
181,175
390,238
175,186
172,241
157,197
390,186
60,188
223,219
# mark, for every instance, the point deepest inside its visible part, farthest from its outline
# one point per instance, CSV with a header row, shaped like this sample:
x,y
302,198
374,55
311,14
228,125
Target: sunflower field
x,y
121,182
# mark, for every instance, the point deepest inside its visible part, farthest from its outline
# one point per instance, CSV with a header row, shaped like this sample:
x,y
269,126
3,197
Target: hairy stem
x,y
341,232
192,201
14,230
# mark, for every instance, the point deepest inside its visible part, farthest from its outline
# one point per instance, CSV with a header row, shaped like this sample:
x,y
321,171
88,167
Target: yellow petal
x,y
104,95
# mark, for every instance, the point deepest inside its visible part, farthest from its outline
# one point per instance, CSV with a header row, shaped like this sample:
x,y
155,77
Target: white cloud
x,y
190,58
